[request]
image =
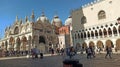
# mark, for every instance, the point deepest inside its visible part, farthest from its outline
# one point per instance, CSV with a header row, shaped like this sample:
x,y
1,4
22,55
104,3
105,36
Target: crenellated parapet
x,y
89,4
92,3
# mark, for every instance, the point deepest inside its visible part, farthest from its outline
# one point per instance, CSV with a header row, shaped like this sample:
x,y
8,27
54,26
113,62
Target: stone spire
x,y
33,16
43,14
26,18
16,19
20,21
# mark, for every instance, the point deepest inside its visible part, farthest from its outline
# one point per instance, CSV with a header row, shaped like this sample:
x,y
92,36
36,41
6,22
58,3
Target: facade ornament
x,y
16,19
26,18
33,16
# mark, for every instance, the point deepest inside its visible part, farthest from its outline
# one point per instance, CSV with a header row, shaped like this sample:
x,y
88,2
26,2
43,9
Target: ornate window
x,y
16,31
83,20
101,15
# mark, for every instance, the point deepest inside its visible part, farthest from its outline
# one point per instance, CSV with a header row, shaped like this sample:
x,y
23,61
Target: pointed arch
x,y
105,32
83,20
88,34
24,43
24,39
11,42
84,45
84,34
91,44
16,30
109,31
96,33
114,31
81,35
92,34
78,36
100,33
100,44
117,44
109,43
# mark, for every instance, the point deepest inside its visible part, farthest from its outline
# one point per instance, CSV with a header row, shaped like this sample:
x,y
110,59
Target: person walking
x,y
92,48
52,51
89,53
108,52
41,54
35,52
72,52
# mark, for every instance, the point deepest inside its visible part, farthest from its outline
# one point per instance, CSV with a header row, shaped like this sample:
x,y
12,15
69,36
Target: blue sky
x,y
10,8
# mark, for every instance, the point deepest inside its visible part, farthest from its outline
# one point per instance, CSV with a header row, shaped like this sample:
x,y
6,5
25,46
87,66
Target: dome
x,y
56,21
68,21
43,18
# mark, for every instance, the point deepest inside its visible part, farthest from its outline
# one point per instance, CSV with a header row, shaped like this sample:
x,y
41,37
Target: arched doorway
x,y
42,39
109,43
117,45
11,43
42,43
18,44
24,43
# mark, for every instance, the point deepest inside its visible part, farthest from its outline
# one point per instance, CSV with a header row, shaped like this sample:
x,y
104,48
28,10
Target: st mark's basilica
x,y
24,35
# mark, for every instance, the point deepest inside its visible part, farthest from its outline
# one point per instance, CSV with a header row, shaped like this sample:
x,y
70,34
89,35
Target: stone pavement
x,y
5,58
56,61
100,61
